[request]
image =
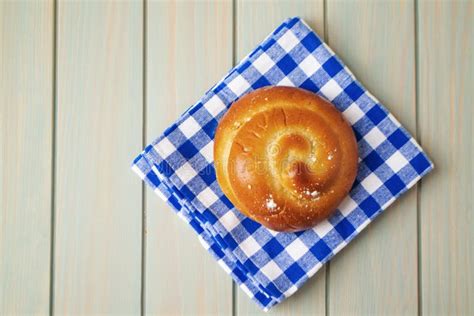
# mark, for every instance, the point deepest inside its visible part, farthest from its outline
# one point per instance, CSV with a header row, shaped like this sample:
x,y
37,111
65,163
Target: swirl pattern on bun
x,y
285,157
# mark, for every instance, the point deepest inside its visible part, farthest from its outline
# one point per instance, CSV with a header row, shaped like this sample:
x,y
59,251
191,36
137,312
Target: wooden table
x,y
85,85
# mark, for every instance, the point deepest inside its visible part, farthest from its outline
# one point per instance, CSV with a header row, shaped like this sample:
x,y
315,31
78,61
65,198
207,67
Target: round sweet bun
x,y
285,157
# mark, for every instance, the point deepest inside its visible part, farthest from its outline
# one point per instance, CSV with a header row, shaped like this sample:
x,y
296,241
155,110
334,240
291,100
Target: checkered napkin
x,y
267,265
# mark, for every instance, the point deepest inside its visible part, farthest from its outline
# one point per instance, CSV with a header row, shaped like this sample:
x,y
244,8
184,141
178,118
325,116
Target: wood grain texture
x,y
446,81
99,124
189,48
26,104
377,273
254,21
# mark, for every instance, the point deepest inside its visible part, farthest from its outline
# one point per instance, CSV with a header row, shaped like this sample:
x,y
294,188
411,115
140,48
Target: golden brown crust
x,y
285,157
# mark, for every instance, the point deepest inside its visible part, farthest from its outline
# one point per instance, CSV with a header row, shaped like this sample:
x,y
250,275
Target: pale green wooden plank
x,y
99,128
446,81
254,21
26,103
377,273
189,48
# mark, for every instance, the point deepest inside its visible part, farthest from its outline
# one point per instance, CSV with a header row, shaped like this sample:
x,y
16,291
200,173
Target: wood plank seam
x,y
417,136
328,264
234,62
53,156
144,132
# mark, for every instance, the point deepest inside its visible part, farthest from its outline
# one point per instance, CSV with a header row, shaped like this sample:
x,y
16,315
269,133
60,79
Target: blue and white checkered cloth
x,y
270,266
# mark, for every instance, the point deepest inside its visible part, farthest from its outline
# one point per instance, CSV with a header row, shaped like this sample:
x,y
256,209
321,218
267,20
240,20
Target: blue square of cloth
x,y
344,228
273,247
320,250
376,114
311,42
354,91
286,64
332,66
294,272
398,138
